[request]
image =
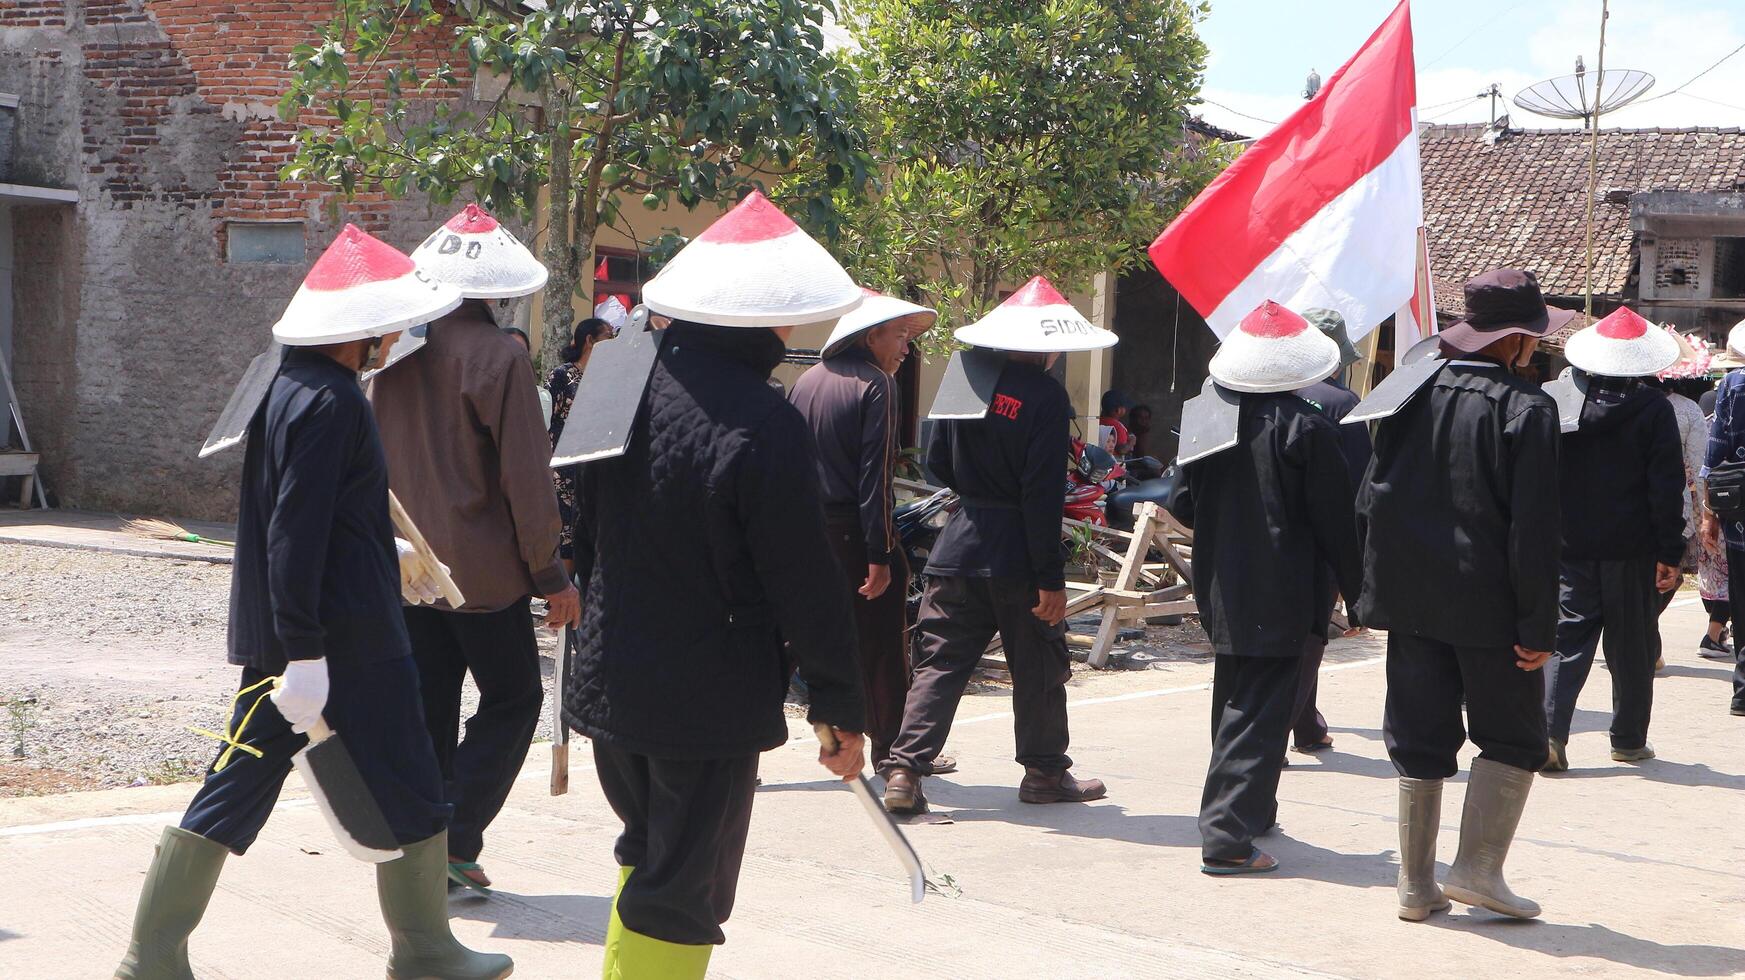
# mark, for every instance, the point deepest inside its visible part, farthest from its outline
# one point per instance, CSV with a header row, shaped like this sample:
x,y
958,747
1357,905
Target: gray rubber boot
x,y
183,874
414,894
1495,796
1420,817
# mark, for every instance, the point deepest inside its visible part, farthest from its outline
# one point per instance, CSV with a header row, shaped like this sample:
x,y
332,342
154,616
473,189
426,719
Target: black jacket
x,y
850,405
701,549
1335,401
1622,476
1273,521
1010,469
1459,513
316,574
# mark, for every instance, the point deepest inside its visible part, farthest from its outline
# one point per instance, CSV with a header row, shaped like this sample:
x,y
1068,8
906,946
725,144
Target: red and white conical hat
x,y
752,268
875,308
477,254
361,287
1038,320
1273,349
1623,345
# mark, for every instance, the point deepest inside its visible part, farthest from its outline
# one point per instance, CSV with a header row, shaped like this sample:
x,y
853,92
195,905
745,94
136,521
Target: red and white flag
x,y
1321,212
1417,319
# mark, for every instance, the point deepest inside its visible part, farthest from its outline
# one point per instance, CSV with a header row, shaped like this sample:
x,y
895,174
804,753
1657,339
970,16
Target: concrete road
x,y
1638,867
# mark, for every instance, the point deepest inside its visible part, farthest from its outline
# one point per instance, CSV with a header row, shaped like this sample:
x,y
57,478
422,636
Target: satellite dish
x,y
1585,93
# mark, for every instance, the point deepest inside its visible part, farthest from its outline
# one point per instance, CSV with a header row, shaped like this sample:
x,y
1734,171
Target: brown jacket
x,y
469,457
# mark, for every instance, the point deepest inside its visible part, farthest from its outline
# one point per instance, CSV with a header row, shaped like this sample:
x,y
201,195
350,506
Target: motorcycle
x,y
918,523
1148,480
1093,471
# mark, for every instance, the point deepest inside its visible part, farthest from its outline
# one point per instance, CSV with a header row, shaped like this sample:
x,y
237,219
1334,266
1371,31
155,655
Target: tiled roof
x,y
1520,201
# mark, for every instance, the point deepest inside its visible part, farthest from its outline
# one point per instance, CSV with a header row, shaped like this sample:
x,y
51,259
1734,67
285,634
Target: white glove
x,y
419,582
301,693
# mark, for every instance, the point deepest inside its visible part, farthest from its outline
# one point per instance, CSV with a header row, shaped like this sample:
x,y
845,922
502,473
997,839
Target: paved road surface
x,y
1638,866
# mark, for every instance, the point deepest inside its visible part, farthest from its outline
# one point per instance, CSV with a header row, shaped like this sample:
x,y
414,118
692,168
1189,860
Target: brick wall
x,y
131,328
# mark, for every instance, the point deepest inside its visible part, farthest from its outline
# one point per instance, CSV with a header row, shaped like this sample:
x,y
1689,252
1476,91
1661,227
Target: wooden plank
x,y
1143,529
1128,614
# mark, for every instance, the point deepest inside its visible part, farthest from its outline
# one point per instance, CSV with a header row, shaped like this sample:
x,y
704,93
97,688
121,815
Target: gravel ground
x,y
107,660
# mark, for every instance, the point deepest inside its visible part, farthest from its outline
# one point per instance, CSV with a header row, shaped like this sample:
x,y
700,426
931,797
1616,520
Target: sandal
x,y
1326,742
942,765
1251,865
460,874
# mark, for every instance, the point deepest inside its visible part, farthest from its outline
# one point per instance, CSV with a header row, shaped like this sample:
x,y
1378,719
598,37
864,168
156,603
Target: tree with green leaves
x,y
689,100
1016,138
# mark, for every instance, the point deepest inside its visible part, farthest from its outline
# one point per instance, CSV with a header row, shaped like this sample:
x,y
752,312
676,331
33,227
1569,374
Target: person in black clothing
x,y
1622,478
1333,400
561,389
998,564
1458,515
1274,534
715,499
850,403
314,625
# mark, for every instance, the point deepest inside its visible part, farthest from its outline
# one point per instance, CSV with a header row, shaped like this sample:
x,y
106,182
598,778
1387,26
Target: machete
x,y
887,826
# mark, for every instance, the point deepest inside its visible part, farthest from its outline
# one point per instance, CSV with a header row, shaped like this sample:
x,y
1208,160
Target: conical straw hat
x,y
875,308
752,268
361,287
1036,319
477,254
1273,349
1622,345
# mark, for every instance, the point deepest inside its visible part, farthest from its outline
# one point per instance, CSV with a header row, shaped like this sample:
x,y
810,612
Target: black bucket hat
x,y
1499,303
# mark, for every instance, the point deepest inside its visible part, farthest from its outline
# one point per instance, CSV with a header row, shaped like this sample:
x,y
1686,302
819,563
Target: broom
x,y
168,531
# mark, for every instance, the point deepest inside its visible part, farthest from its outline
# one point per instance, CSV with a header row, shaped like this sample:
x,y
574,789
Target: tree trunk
x,y
560,253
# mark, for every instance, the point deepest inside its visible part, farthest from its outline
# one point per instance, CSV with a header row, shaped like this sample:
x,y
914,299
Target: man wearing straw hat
x,y
998,564
314,621
703,549
850,403
1274,536
1727,447
469,456
1622,477
1459,520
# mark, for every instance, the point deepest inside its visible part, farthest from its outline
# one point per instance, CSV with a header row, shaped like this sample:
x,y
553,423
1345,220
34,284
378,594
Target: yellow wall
x,y
1087,375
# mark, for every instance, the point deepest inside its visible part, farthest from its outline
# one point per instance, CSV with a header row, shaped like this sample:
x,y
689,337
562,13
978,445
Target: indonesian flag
x,y
1321,212
1417,319
614,309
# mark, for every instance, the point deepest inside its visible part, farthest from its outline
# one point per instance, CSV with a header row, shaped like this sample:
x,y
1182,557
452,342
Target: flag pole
x,y
1593,160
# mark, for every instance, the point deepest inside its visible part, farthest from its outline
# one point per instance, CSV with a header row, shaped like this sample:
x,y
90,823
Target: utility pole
x,y
1495,92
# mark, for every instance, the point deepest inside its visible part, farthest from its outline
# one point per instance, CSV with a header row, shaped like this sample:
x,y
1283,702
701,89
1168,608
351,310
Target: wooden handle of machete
x,y
403,521
826,736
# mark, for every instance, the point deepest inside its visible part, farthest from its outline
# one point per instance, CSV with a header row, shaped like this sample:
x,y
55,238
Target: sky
x,y
1261,51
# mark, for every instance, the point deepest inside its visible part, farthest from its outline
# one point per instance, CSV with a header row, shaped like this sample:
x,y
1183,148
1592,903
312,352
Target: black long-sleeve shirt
x,y
700,550
1622,476
1459,513
316,573
850,405
1274,529
1010,470
1335,401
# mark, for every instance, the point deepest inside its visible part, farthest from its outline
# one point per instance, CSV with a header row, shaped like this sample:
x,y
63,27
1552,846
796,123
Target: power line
x,y
1693,78
1238,112
1474,32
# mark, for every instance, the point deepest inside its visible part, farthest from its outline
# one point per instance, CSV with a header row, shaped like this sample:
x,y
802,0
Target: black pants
x,y
958,618
1736,593
375,709
1505,707
1307,725
1252,699
881,631
500,651
685,822
1614,602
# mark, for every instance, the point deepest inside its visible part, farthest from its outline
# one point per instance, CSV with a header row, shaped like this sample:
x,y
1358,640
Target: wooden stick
x,y
403,521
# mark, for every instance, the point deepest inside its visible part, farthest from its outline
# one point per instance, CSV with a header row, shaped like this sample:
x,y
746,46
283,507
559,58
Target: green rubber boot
x,y
183,874
639,957
414,894
633,956
615,925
